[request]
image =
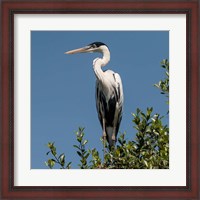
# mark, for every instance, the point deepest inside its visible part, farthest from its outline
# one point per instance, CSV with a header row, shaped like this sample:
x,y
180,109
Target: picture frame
x,y
8,9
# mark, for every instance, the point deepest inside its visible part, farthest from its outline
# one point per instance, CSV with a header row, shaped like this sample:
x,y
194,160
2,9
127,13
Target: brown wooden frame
x,y
11,7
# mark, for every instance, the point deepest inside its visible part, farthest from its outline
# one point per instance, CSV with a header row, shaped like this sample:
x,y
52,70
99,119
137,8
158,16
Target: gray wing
x,y
120,100
110,105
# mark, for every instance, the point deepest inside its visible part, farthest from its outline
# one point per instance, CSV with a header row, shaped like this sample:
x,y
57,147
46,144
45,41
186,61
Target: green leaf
x,y
50,163
79,139
143,115
68,165
85,142
145,162
133,114
62,157
87,155
79,153
148,129
76,147
62,160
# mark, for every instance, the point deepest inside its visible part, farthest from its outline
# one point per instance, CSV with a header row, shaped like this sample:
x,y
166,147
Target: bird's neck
x,y
98,63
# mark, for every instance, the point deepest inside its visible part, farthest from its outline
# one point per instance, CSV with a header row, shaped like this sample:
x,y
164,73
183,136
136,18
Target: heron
x,y
109,92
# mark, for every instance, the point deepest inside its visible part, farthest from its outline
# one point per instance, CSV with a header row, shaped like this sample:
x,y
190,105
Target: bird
x,y
109,92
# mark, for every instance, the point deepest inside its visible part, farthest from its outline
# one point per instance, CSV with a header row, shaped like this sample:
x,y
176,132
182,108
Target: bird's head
x,y
93,47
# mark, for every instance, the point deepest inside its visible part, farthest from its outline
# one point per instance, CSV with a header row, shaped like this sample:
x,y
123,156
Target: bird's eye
x,y
94,45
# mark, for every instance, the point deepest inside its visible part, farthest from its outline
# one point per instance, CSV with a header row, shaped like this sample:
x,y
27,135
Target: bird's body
x,y
109,103
109,92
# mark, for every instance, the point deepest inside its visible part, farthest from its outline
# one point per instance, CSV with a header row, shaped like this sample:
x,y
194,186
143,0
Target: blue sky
x,y
63,86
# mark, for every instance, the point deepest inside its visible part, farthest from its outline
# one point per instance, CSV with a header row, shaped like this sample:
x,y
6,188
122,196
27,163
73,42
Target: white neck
x,y
98,63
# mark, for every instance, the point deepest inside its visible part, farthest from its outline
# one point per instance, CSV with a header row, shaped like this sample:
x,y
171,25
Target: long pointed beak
x,y
79,50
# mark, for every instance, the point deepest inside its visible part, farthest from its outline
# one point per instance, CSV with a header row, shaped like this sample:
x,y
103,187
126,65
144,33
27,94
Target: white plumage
x,y
109,102
109,92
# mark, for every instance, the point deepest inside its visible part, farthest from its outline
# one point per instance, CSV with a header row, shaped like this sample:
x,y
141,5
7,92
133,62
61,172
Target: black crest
x,y
97,44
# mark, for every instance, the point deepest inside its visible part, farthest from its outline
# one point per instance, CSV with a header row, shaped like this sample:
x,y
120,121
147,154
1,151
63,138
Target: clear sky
x,y
63,86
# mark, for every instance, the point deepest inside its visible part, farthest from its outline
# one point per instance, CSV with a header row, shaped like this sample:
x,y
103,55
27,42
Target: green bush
x,y
149,150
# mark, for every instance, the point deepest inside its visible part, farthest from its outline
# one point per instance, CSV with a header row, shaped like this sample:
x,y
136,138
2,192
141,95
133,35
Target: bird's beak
x,y
80,50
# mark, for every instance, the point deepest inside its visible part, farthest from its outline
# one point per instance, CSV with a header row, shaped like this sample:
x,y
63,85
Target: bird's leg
x,y
114,125
113,134
113,140
104,139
